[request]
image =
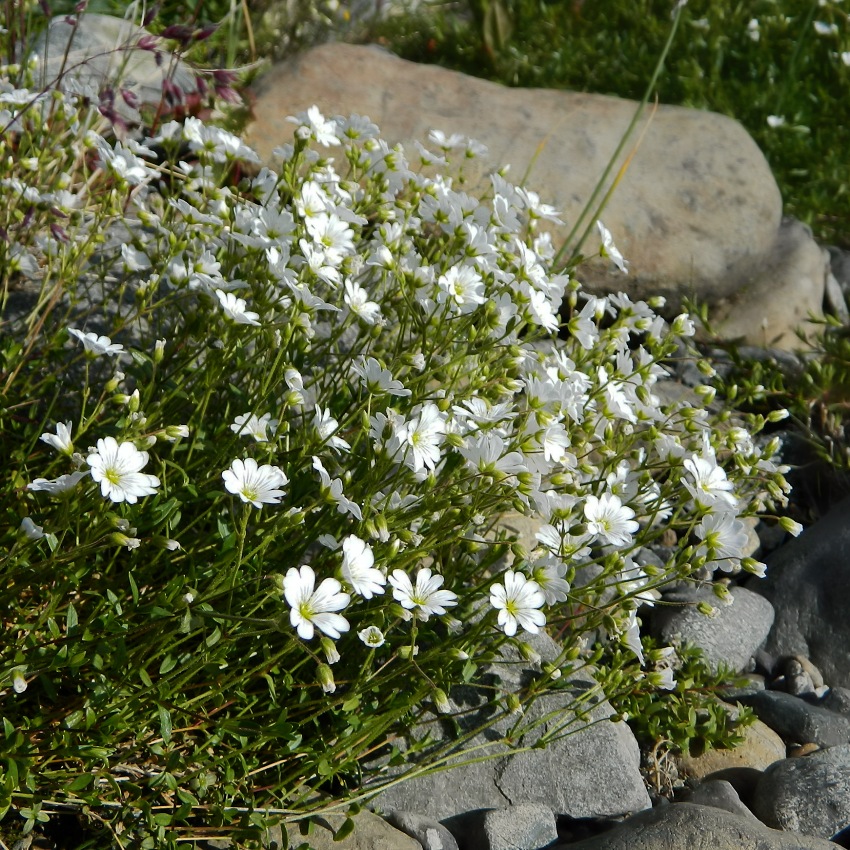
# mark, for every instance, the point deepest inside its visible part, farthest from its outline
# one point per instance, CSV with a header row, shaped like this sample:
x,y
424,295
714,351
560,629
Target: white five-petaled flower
x,y
462,287
236,309
609,519
358,568
357,300
327,427
518,601
254,484
30,530
710,484
426,597
57,486
423,434
96,345
248,424
724,537
117,467
372,636
61,440
376,378
314,608
609,249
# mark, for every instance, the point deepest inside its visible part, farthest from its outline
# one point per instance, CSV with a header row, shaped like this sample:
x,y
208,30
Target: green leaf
x,y
146,680
165,727
81,782
168,664
71,618
345,830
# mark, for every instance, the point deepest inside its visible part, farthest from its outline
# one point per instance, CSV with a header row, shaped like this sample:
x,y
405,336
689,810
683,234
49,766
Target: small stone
x,y
798,721
721,795
430,833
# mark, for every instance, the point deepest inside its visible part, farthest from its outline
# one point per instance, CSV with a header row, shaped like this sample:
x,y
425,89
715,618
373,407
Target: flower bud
x,y
19,680
778,415
706,609
790,526
326,678
173,432
513,704
330,650
441,701
134,401
159,351
407,652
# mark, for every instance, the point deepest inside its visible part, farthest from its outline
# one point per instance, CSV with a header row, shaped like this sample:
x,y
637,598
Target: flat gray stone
x,y
686,826
730,637
798,721
810,794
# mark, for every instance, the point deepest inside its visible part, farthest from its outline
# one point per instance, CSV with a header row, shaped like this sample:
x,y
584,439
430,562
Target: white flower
x,y
256,427
117,468
518,601
334,488
372,636
462,287
425,598
485,451
327,426
236,309
58,485
358,569
95,344
423,434
845,57
710,485
314,607
724,538
257,485
314,124
61,440
823,28
358,302
30,530
609,249
550,579
19,679
774,121
377,379
609,519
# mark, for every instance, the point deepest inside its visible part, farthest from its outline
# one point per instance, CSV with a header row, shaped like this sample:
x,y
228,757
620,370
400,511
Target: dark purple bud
x,y
223,77
45,7
158,58
58,213
147,42
27,217
70,20
3,234
201,85
59,233
151,14
204,33
228,95
81,6
178,32
172,93
130,98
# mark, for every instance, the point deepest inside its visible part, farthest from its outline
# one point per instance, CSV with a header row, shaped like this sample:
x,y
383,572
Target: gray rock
x,y
430,833
720,794
809,794
590,769
370,833
808,583
685,826
698,212
528,826
798,721
730,637
837,699
102,51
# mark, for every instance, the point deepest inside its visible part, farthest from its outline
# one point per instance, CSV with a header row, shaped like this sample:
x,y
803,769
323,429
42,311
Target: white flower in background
x,y
30,530
550,579
61,440
426,597
753,29
609,249
314,124
96,345
774,121
257,485
314,608
358,568
117,467
19,679
357,300
845,57
610,520
724,537
823,28
518,601
57,486
423,434
236,309
372,636
710,484
462,287
327,426
485,452
376,378
334,488
248,424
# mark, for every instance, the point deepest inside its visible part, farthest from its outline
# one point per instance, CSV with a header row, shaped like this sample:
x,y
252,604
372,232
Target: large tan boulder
x,y
697,212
